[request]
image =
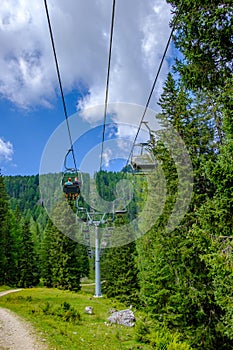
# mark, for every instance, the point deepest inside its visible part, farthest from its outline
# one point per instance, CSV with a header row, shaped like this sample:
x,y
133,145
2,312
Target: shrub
x,y
159,338
65,312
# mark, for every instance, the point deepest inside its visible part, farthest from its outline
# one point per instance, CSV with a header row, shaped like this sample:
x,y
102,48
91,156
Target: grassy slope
x,y
3,288
42,307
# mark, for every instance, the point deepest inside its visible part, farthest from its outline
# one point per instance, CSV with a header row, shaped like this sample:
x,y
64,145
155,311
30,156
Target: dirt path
x,y
15,333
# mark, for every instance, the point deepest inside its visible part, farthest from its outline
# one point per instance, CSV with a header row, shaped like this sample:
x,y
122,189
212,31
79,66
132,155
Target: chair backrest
x,y
71,189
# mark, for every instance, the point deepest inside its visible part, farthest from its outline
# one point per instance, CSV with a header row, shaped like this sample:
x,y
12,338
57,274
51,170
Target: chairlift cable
x,y
60,82
155,81
107,82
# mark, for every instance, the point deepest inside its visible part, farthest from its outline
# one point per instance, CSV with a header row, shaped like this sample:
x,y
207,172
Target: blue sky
x,y
30,102
28,132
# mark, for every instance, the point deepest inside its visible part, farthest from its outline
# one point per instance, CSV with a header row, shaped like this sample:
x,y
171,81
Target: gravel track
x,y
15,333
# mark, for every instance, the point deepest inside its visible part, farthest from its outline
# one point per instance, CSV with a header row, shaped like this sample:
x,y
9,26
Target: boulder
x,y
123,317
88,310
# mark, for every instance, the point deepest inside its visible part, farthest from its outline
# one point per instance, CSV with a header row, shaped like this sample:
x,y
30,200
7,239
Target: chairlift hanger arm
x,y
59,80
155,80
65,162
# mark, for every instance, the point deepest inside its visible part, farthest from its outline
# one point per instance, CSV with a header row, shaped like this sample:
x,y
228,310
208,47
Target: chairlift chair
x,y
71,192
120,212
142,160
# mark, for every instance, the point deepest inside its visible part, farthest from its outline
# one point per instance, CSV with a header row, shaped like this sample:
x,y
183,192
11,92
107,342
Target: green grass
x,y
3,288
59,317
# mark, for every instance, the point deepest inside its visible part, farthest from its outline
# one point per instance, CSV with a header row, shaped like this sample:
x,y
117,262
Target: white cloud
x,y
107,156
6,150
81,32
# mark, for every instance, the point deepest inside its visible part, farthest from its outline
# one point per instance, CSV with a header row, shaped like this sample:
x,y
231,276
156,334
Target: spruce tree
x,y
46,256
12,249
28,260
64,261
119,272
173,275
204,36
4,230
213,228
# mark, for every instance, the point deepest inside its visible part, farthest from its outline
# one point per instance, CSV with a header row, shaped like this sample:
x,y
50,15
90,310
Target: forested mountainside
x,y
24,195
32,250
182,278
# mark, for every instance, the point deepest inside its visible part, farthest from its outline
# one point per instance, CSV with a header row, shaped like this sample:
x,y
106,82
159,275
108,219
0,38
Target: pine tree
x,y
214,225
12,249
64,261
9,229
120,273
4,230
173,275
28,260
204,36
46,256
